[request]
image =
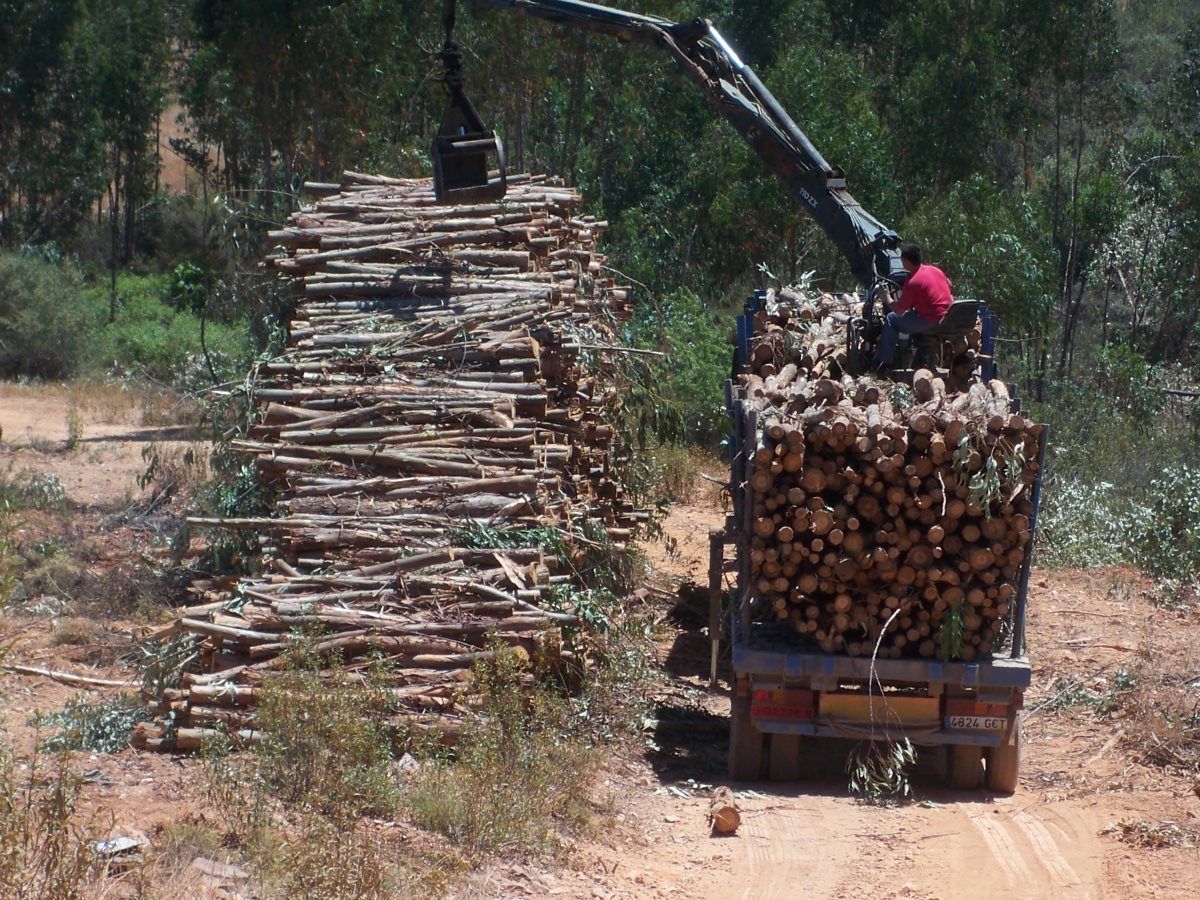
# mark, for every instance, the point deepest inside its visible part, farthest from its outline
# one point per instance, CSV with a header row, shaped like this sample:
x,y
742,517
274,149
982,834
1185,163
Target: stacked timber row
x,y
879,513
436,432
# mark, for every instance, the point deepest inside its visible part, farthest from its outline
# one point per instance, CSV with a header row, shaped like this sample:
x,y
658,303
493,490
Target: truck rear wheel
x,y
784,764
963,766
745,742
1004,763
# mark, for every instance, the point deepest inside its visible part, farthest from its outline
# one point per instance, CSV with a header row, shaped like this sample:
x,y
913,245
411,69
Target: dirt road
x,y
1078,827
91,437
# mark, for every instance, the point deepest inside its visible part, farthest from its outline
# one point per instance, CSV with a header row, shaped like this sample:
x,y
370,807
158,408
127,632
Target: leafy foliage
x,y
44,327
680,398
879,772
29,489
103,726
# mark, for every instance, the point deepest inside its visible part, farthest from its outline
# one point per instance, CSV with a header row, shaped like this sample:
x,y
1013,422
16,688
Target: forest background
x,y
1043,152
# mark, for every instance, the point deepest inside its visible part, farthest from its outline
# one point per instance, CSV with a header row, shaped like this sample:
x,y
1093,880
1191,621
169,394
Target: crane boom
x,y
737,94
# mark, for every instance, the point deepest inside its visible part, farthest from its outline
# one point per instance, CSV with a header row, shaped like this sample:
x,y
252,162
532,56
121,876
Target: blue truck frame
x,y
764,660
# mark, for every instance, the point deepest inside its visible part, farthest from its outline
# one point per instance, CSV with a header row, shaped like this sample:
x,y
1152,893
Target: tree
x,y
49,144
124,45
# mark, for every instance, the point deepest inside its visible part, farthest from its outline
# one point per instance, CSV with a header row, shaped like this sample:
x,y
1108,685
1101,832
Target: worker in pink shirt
x,y
923,303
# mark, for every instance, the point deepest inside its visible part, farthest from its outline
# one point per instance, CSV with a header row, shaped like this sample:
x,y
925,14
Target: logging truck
x,y
881,544
880,577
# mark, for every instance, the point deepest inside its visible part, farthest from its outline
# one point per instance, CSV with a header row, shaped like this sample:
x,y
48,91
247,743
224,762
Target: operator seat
x,y
960,319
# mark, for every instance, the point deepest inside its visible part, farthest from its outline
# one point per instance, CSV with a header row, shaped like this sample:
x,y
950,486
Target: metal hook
x,y
463,144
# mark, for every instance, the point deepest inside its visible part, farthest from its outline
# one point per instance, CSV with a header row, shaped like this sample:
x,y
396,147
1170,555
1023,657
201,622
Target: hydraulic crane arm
x,y
736,93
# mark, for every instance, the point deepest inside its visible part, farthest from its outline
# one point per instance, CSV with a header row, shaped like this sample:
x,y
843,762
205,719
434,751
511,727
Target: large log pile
x,y
437,434
879,508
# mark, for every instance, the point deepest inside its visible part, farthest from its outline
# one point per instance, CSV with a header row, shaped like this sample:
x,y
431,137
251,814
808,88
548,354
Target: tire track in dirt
x,y
1004,851
1031,860
1048,853
789,846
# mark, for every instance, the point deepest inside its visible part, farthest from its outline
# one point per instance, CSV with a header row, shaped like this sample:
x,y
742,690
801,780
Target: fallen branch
x,y
67,677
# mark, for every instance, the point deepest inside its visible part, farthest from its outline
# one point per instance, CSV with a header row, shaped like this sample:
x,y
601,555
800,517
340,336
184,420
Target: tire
x,y
1004,764
964,768
784,763
745,743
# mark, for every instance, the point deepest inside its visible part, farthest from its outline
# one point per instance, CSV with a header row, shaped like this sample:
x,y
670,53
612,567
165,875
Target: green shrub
x,y
52,325
46,325
32,490
1156,529
1168,543
1085,524
680,396
150,338
1123,478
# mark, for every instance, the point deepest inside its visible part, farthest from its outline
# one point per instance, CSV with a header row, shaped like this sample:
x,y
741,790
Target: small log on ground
x,y
724,817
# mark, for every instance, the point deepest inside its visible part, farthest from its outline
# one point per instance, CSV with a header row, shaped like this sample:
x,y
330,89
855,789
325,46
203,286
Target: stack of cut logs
x,y
436,432
881,514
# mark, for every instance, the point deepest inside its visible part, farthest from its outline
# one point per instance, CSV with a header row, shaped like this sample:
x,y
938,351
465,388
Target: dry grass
x,y
313,806
101,400
676,470
521,775
302,808
179,843
168,872
173,467
164,408
43,841
316,857
135,593
1155,835
89,401
75,631
1163,724
59,572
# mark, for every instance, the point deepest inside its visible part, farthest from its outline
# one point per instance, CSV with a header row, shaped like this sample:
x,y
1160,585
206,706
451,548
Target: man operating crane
x,y
923,303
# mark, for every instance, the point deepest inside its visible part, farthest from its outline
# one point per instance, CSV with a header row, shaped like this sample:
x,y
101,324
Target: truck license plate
x,y
977,723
